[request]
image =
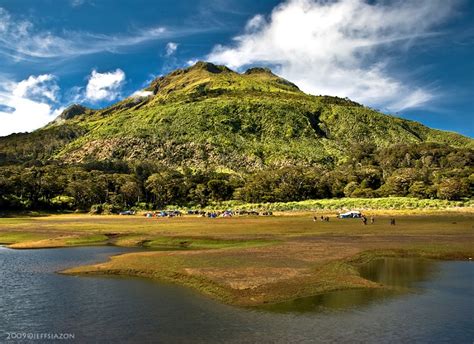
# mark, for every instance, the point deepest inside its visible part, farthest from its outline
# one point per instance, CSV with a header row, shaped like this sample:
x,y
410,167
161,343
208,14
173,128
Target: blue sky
x,y
411,58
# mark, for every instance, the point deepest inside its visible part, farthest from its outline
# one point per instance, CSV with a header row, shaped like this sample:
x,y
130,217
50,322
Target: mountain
x,y
73,111
210,117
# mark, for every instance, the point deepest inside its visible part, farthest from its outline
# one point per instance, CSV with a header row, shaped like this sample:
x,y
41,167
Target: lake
x,y
438,307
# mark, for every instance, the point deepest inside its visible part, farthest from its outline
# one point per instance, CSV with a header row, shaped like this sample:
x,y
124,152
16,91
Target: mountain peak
x,y
209,77
210,67
259,70
72,111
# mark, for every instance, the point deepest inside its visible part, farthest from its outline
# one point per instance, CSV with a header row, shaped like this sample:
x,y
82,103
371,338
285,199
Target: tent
x,y
350,214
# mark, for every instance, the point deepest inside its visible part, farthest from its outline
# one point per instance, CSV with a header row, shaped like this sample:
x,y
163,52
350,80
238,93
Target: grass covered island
x,y
252,260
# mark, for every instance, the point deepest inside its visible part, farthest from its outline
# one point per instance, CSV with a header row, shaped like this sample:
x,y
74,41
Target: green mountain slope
x,y
209,116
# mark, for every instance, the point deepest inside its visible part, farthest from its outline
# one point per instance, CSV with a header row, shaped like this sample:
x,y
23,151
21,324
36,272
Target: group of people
x,y
323,218
362,217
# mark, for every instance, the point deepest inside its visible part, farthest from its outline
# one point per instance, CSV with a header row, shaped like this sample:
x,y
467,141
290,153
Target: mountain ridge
x,y
209,116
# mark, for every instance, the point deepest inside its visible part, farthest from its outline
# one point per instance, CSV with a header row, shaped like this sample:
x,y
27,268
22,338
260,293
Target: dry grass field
x,y
250,260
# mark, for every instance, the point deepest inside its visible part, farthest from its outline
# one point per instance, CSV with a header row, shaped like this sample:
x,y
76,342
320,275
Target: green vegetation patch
x,y
440,251
88,240
346,203
13,238
190,243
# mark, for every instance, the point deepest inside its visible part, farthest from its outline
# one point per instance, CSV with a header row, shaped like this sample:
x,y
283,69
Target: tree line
x,y
423,171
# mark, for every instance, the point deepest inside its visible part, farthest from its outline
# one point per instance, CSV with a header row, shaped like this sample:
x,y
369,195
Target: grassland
x,y
379,205
251,260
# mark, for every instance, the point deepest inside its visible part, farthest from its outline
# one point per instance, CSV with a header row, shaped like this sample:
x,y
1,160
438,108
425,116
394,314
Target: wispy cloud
x,y
28,104
20,39
340,47
171,48
77,3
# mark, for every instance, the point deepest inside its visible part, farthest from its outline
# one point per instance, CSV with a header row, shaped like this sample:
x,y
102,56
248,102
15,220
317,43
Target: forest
x,y
424,170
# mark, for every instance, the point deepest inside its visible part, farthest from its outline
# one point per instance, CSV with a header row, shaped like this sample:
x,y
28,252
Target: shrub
x,y
96,209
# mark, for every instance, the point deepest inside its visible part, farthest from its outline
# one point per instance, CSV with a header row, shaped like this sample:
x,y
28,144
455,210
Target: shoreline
x,y
226,295
248,261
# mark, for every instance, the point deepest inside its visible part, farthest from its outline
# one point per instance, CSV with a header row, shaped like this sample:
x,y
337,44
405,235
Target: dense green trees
x,y
423,171
453,188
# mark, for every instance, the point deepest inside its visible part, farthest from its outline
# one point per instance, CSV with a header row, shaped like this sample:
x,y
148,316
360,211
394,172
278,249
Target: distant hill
x,y
208,116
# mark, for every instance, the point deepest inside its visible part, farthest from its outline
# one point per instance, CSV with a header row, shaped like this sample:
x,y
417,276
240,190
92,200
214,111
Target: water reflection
x,y
120,310
336,300
396,273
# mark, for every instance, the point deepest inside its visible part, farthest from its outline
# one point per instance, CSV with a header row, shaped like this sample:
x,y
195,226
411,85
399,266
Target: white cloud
x,y
338,47
171,48
43,86
255,24
28,104
75,95
141,94
191,62
413,99
104,86
21,39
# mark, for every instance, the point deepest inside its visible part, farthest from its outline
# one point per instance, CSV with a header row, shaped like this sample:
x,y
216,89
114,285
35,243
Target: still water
x,y
439,308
